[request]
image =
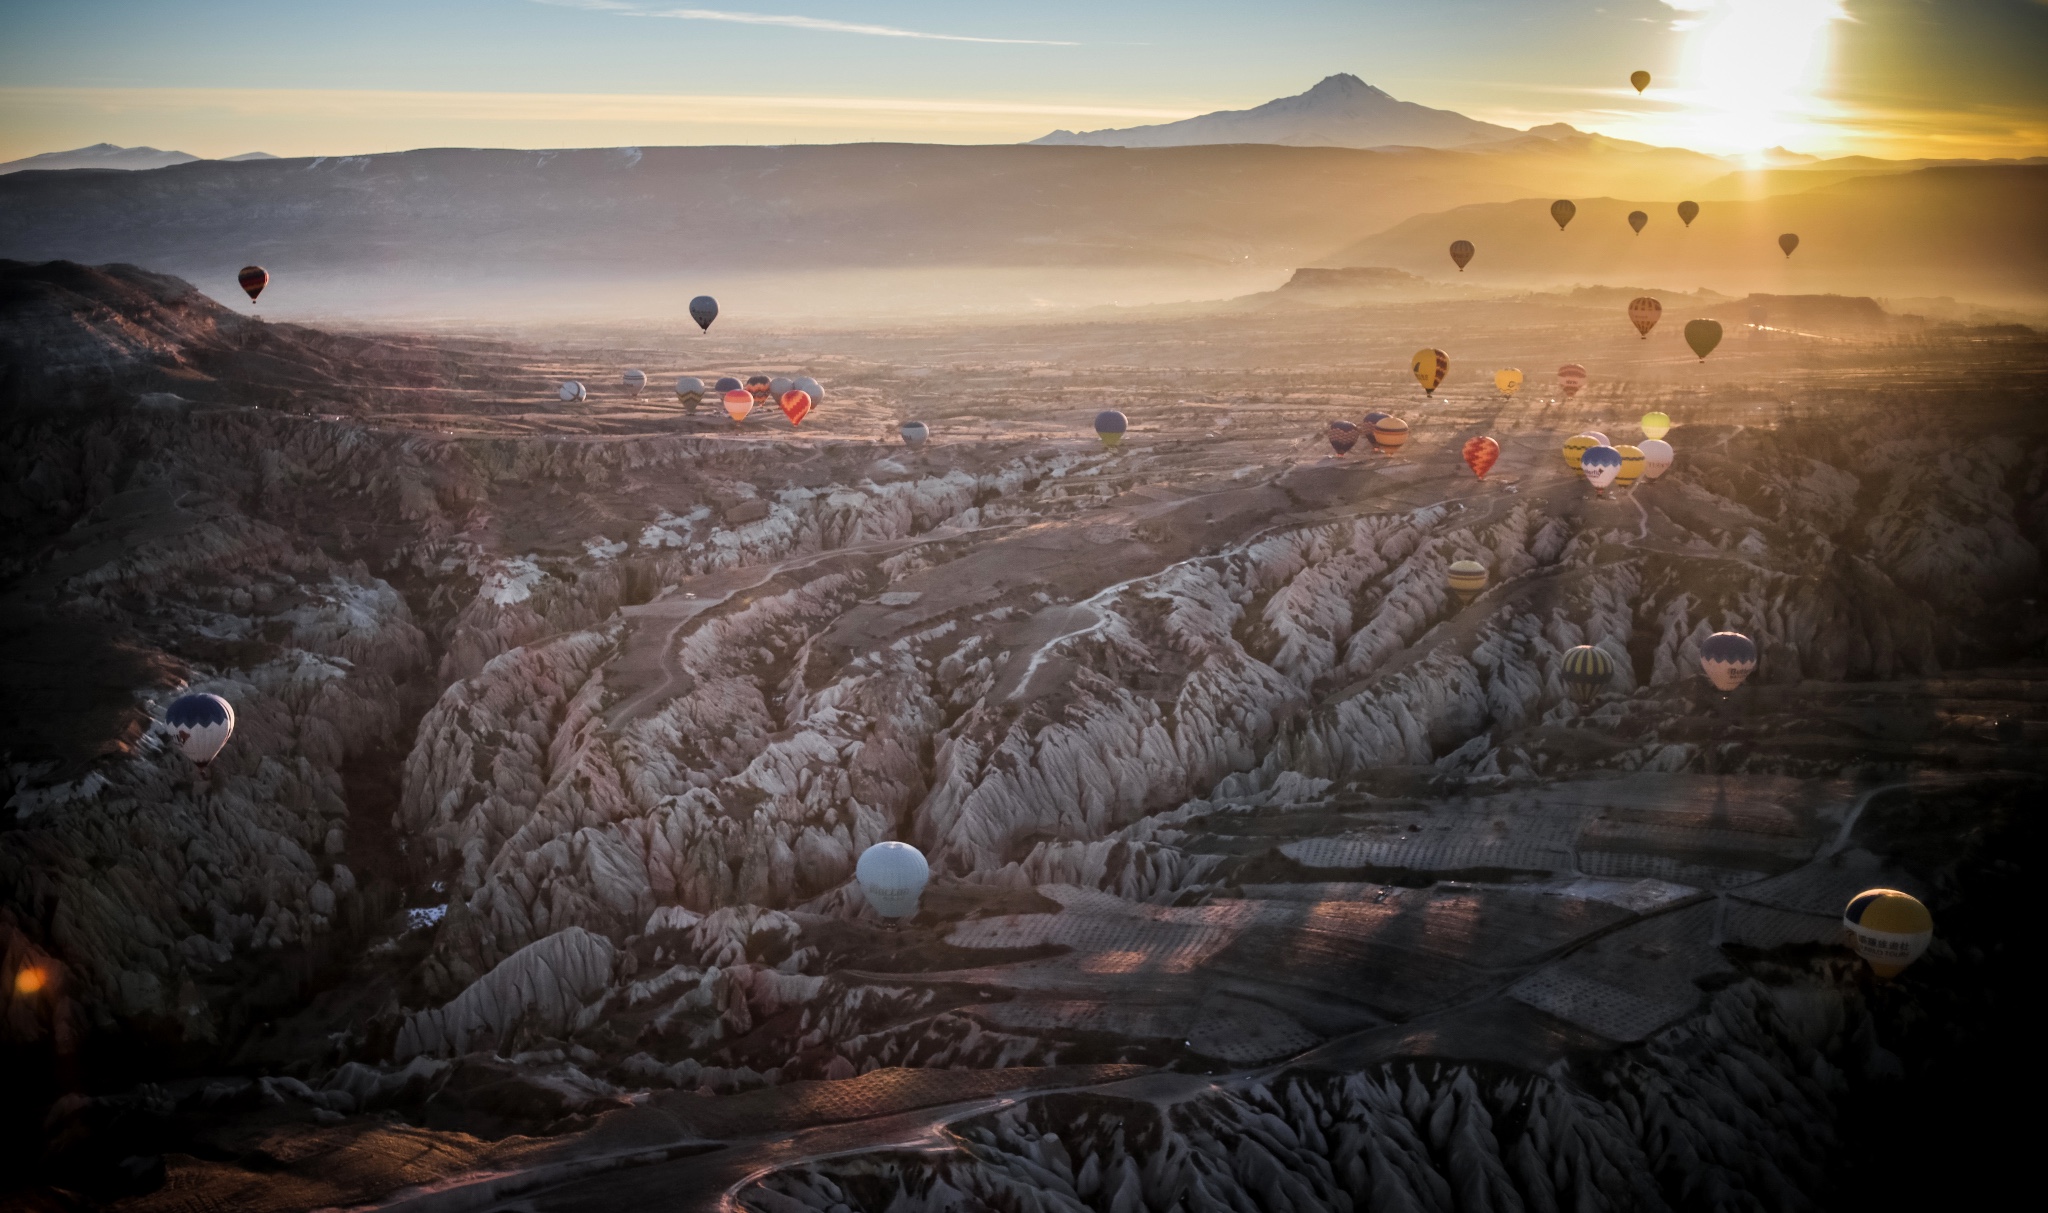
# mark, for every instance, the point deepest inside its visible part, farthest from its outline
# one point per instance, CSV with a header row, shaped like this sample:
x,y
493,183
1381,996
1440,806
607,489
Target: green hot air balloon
x,y
1688,211
1562,210
1703,336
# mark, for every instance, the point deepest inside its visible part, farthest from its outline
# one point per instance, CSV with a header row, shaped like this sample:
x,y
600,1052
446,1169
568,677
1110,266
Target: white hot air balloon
x,y
573,391
810,387
636,382
914,433
1657,457
201,725
892,875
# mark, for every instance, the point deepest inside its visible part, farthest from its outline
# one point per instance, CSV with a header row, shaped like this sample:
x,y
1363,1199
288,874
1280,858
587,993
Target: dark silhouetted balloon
x,y
1788,242
726,383
1644,314
1637,220
1688,211
253,279
1703,336
1562,210
704,310
1640,79
1461,252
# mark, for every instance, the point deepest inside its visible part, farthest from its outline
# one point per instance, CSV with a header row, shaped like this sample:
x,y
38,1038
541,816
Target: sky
x,y
1894,78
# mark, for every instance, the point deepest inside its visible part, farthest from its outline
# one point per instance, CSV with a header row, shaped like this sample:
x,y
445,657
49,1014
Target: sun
x,y
1752,70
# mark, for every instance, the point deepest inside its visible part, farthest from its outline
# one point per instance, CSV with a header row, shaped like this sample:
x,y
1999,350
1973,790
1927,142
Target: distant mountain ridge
x,y
1340,111
111,155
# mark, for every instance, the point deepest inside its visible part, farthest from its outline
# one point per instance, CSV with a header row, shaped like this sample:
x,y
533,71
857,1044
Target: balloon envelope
x,y
636,382
1343,435
1461,252
704,310
1465,578
1389,434
1368,422
689,390
1601,464
1480,455
914,433
201,725
811,387
1562,210
1644,313
1632,463
1703,336
1430,367
1575,448
1599,439
1657,457
738,403
1587,671
892,876
1788,242
796,405
1571,377
1656,425
1110,426
780,384
726,383
1508,381
757,385
1640,79
1637,219
253,279
572,390
1688,211
1727,658
1888,929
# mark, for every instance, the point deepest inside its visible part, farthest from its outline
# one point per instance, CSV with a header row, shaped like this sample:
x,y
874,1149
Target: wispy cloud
x,y
790,21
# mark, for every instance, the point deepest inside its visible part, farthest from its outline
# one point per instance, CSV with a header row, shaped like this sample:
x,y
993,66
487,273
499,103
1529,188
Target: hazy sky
x,y
217,77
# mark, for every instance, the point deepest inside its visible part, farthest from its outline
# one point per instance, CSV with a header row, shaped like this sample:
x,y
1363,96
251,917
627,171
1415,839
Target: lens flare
x,y
1752,70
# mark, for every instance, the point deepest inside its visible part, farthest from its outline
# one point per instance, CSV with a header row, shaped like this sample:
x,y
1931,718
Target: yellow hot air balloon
x,y
1465,578
1508,381
1640,79
1656,425
1888,929
1631,467
1576,446
1430,367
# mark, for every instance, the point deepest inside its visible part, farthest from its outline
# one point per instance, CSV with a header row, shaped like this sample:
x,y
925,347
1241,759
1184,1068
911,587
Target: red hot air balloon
x,y
253,279
1480,455
1644,314
1571,377
796,404
1461,252
757,387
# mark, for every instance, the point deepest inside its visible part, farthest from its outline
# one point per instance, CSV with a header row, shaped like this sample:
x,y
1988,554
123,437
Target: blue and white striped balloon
x,y
201,725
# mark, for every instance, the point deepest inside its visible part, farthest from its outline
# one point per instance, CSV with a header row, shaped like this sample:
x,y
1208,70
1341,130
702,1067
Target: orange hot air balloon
x,y
757,387
254,278
796,405
1788,242
1480,455
1562,210
1644,314
1640,79
738,403
1461,252
1571,377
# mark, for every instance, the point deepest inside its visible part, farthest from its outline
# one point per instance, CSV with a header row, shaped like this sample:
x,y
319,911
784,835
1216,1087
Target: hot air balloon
x,y
1644,314
1465,578
811,388
892,876
1461,252
1342,435
1632,464
704,310
1110,426
1480,455
738,403
1508,381
796,405
1888,929
201,725
253,279
1389,435
1788,242
1656,425
1640,79
1688,211
1599,439
1562,210
1638,220
780,384
1657,457
1587,672
690,391
914,433
1430,367
1575,448
1600,464
726,383
1571,377
1727,658
1367,424
636,382
572,391
757,385
1703,336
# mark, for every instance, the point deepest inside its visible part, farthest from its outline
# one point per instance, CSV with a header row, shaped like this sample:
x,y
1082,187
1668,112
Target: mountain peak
x,y
1340,110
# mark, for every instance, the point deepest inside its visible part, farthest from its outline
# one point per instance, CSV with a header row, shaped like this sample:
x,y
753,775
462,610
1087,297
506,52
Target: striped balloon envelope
x,y
1430,367
1367,422
1632,464
796,405
1466,579
1389,435
1480,455
757,386
1644,313
1888,929
1571,377
1575,448
253,279
1727,659
1586,672
201,725
1343,435
690,393
738,403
